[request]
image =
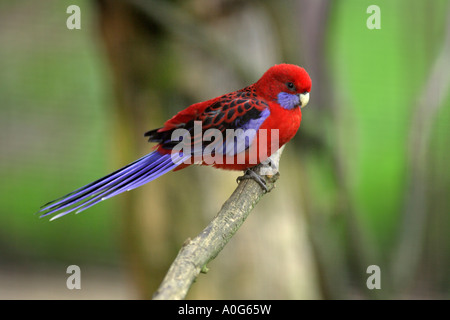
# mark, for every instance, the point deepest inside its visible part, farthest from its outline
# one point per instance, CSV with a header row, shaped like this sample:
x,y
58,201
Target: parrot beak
x,y
304,99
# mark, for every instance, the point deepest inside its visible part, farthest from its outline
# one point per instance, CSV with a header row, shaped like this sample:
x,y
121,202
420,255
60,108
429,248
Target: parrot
x,y
243,127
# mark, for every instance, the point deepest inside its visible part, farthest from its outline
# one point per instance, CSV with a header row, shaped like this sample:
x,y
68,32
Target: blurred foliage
x,y
54,91
364,182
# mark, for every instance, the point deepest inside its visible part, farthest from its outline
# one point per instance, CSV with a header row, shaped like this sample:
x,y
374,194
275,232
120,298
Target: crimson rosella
x,y
259,119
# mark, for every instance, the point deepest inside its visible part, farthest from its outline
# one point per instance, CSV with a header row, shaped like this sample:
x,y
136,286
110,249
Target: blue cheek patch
x,y
288,100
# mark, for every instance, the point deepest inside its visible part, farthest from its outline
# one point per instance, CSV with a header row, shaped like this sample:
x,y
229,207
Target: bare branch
x,y
198,252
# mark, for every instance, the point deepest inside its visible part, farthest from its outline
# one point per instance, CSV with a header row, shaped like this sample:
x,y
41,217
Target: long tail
x,y
129,177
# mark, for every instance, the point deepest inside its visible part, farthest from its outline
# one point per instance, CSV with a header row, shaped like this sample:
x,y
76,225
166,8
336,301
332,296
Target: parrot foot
x,y
250,174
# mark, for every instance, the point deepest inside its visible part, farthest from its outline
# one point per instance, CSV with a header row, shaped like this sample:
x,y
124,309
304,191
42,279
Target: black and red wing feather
x,y
237,110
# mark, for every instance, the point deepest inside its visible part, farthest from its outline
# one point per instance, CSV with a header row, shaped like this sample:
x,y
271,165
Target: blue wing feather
x,y
127,178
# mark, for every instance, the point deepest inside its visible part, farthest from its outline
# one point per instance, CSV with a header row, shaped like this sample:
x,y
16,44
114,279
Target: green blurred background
x,y
365,182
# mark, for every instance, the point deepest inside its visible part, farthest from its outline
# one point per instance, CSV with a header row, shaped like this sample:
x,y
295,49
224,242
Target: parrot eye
x,y
290,86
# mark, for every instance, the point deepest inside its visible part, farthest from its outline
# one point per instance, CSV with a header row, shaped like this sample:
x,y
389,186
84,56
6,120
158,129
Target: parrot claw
x,y
250,174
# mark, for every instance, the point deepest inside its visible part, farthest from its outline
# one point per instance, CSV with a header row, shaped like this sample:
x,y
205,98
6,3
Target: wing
x,y
235,118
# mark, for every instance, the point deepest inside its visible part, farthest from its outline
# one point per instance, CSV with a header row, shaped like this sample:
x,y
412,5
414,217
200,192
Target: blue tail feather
x,y
127,178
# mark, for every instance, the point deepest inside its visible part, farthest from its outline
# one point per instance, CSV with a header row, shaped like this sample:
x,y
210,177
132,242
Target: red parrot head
x,y
287,84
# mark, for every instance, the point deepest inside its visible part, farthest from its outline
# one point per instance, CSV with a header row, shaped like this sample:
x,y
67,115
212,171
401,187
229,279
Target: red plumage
x,y
251,100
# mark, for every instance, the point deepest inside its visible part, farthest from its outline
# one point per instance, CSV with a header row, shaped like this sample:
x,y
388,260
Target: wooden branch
x,y
198,252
